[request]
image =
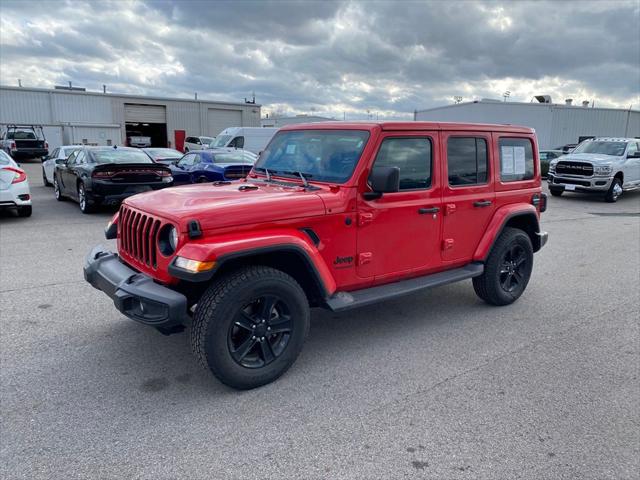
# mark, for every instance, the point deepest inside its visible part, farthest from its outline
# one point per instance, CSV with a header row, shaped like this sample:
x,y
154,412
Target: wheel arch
x,y
525,219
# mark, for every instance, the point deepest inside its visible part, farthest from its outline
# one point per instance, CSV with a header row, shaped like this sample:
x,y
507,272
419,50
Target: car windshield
x,y
113,155
605,148
163,153
21,135
221,141
206,140
322,155
235,157
5,159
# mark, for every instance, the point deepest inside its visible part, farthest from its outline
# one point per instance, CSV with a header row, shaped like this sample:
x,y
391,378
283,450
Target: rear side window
x,y
467,161
412,156
516,159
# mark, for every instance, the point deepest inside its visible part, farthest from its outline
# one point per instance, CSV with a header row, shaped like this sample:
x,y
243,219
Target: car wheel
x,y
56,189
614,192
25,211
507,269
44,179
84,199
202,180
250,325
556,192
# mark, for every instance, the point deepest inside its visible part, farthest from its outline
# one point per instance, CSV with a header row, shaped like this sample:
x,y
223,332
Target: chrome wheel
x,y
617,190
56,188
82,197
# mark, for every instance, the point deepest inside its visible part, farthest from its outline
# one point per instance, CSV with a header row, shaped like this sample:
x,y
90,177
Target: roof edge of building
x,y
530,104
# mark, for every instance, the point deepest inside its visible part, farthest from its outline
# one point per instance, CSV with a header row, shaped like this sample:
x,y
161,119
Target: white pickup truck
x,y
608,166
136,139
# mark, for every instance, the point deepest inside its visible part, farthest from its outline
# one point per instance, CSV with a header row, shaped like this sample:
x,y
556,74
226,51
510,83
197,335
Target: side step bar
x,y
346,300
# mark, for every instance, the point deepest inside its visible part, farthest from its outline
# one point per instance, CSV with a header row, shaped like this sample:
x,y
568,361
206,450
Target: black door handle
x,y
423,211
483,203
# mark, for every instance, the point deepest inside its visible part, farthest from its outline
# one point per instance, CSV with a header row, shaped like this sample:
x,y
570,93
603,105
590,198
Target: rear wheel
x,y
202,180
507,269
56,189
250,325
25,211
614,192
84,199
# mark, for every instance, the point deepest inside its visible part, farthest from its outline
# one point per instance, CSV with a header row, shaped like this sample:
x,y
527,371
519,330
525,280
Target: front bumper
x,y
134,294
583,184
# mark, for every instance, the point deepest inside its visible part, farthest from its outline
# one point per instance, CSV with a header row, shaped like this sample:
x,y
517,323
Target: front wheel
x,y
250,325
614,192
556,192
507,269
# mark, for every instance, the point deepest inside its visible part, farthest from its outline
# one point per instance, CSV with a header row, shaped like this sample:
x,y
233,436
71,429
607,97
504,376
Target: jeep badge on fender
x,y
432,203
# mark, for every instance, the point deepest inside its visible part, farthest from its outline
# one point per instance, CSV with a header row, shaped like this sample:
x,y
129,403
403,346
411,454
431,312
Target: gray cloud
x,y
329,57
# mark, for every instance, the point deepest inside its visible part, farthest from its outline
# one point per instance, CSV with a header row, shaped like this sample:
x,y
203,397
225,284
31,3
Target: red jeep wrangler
x,y
333,215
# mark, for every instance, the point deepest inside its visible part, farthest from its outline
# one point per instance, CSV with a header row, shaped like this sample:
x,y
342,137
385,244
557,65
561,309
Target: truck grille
x,y
138,236
239,171
574,168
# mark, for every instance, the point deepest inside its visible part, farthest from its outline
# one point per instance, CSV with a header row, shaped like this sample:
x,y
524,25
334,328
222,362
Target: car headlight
x,y
603,169
168,240
552,167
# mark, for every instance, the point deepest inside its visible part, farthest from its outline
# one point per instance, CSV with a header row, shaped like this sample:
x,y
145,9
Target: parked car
x,y
197,143
545,157
606,166
138,140
49,162
163,155
14,187
212,165
24,141
335,215
254,139
94,176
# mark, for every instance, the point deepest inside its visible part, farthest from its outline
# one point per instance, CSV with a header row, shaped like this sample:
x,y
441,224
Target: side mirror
x,y
383,180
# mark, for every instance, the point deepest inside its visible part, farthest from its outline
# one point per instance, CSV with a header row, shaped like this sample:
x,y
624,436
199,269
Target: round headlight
x,y
168,240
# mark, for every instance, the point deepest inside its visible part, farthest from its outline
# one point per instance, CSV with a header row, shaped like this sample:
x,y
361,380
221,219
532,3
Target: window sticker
x,y
291,149
518,160
508,164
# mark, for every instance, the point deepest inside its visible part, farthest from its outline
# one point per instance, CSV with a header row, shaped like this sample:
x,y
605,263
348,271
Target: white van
x,y
254,139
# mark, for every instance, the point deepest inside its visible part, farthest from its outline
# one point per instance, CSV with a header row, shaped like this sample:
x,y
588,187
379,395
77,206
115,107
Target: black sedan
x,y
107,175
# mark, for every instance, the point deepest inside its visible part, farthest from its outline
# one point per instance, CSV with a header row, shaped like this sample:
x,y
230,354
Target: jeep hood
x,y
596,158
237,203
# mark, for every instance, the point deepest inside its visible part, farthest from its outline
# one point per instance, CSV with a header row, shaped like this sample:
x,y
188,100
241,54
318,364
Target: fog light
x,y
193,266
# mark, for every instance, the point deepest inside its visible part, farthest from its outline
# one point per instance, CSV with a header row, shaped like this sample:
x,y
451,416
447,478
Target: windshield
x,y
207,140
221,141
113,155
163,153
235,157
605,148
322,155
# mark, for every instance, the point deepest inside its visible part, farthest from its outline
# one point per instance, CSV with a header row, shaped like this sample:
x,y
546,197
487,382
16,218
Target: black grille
x,y
138,236
571,181
574,168
237,171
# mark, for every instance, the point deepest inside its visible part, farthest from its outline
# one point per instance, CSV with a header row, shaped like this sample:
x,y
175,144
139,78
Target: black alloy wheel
x,y
513,269
261,332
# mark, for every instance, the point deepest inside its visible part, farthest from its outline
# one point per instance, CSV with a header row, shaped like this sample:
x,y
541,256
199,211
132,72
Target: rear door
x,y
400,232
468,193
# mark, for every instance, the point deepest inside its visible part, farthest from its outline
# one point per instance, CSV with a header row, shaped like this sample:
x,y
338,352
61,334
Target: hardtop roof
x,y
412,126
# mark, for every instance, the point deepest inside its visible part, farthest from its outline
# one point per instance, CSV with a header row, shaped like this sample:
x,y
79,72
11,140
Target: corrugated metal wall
x,y
555,125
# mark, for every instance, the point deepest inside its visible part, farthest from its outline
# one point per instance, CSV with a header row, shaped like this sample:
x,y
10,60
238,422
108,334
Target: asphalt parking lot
x,y
436,385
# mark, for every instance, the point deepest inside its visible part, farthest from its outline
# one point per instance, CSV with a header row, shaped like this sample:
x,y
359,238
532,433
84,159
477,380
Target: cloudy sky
x,y
329,58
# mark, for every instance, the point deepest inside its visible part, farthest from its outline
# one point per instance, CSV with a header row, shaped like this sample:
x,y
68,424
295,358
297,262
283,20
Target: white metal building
x,y
555,124
70,116
282,121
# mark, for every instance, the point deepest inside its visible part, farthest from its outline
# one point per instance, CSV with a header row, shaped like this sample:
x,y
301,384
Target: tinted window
x,y
237,142
119,155
235,157
516,159
21,135
467,160
188,160
412,156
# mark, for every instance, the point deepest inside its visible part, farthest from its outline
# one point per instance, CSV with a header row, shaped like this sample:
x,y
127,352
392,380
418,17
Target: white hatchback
x,y
49,163
14,186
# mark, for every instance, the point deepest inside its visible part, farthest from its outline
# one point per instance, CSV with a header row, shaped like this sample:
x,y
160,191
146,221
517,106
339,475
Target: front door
x,y
400,231
468,194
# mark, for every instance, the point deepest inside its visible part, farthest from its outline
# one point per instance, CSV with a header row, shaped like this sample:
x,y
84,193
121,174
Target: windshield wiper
x,y
266,171
303,177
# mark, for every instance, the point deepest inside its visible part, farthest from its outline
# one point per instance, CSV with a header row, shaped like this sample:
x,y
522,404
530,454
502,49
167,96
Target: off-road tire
x,y
488,286
611,196
215,315
25,211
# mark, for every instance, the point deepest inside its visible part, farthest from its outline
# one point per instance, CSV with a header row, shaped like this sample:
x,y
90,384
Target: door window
x,y
237,142
188,160
467,161
72,158
632,148
412,156
516,159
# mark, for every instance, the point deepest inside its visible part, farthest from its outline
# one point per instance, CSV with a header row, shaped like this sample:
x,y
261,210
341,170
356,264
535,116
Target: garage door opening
x,y
146,121
156,131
